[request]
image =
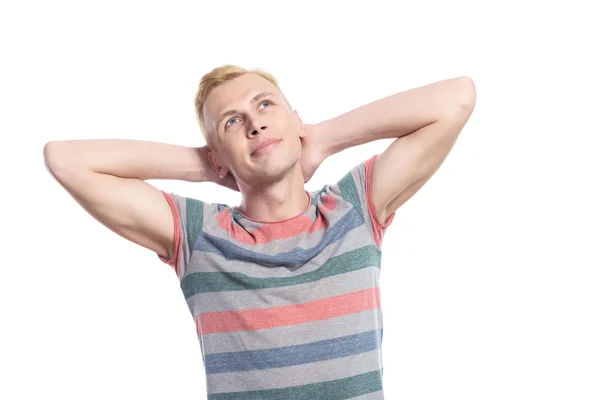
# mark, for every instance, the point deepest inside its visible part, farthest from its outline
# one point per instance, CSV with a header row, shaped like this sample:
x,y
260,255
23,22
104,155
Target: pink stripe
x,y
175,261
378,227
272,317
276,231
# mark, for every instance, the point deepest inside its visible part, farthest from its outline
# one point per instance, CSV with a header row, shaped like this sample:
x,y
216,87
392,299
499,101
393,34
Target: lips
x,y
263,146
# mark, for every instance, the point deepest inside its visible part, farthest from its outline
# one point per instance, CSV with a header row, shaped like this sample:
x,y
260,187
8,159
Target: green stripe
x,y
193,218
235,215
349,191
338,389
205,282
318,195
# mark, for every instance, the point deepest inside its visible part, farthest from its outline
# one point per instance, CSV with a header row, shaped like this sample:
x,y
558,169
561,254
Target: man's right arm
x,y
106,177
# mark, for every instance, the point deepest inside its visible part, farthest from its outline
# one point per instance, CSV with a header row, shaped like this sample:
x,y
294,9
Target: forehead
x,y
236,91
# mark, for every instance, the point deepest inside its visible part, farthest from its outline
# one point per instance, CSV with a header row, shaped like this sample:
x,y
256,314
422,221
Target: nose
x,y
254,132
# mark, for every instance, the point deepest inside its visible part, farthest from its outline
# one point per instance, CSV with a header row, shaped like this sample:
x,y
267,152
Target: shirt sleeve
x,y
187,218
356,187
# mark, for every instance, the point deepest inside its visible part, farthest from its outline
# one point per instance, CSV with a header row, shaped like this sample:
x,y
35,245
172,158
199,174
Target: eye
x,y
227,124
266,101
232,119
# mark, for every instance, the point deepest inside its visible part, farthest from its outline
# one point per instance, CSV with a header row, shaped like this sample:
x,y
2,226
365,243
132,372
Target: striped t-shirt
x,y
286,310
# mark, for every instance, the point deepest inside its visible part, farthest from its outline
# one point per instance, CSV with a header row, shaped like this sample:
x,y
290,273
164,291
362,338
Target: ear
x,y
301,131
214,161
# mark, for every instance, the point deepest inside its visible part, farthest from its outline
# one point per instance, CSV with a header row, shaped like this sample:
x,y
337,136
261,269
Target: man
x,y
284,288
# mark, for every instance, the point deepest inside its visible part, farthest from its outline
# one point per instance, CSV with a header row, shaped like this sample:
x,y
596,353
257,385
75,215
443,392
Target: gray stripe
x,y
378,395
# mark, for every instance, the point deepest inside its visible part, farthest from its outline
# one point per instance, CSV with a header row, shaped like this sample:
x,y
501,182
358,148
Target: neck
x,y
278,201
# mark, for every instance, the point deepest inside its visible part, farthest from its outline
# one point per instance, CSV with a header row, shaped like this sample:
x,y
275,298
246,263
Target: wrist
x,y
204,171
324,146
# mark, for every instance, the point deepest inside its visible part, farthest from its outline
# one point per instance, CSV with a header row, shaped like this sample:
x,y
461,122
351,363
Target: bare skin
x,y
272,183
107,177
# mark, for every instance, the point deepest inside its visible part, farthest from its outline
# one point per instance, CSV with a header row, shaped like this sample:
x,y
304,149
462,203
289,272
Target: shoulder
x,y
355,187
194,212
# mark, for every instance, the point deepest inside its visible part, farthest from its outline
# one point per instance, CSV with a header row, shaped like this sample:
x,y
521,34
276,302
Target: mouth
x,y
268,146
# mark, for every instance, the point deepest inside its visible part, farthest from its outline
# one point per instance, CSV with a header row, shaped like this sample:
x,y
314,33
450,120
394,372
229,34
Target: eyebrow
x,y
254,99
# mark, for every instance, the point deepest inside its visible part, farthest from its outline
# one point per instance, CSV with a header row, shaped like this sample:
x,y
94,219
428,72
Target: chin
x,y
274,170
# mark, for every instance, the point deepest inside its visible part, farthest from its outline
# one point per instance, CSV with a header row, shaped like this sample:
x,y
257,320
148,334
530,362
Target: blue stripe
x,y
296,257
294,355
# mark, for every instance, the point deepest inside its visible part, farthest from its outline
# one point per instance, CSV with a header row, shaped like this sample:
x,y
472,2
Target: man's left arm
x,y
426,120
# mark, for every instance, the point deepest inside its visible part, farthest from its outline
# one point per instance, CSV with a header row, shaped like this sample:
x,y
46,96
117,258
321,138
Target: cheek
x,y
289,128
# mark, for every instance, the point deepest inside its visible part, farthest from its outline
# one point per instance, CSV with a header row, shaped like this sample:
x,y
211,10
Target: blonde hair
x,y
217,77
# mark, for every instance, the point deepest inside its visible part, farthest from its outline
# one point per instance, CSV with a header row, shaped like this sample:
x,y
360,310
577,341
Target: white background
x,y
490,273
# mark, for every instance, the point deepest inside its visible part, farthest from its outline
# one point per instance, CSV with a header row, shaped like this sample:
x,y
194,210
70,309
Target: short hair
x,y
217,77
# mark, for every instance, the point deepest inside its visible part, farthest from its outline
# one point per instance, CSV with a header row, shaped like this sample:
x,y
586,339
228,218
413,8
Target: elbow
x,y
51,155
461,100
49,150
467,95
56,156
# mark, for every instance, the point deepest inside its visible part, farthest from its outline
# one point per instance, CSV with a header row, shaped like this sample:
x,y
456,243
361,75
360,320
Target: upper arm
x,y
408,163
132,208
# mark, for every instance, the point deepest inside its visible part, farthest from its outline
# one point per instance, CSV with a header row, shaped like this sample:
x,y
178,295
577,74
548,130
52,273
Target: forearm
x,y
396,115
130,158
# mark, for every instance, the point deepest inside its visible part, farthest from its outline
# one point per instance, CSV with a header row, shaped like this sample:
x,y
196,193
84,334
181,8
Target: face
x,y
240,115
